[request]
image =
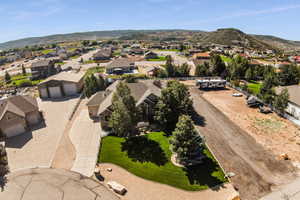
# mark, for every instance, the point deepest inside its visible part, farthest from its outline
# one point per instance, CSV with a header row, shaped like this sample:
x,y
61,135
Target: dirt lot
x,y
257,169
274,133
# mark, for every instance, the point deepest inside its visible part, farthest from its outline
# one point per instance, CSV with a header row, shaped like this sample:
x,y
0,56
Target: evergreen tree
x,y
170,68
7,77
173,102
23,70
87,87
202,70
281,101
266,92
249,74
3,166
183,70
185,140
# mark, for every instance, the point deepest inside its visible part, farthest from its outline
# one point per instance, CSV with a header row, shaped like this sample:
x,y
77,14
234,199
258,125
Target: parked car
x,y
237,94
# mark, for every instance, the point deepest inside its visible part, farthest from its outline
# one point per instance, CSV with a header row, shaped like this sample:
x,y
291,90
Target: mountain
x,y
231,36
225,36
279,42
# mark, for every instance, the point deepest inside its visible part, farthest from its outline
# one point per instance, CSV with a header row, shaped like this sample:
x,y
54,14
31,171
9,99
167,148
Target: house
x,y
145,93
297,59
150,55
149,70
42,69
201,58
120,66
61,85
136,51
103,55
18,114
293,108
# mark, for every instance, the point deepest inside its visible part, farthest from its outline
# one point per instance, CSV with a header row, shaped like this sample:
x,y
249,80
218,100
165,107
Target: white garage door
x,y
14,130
55,92
43,93
70,89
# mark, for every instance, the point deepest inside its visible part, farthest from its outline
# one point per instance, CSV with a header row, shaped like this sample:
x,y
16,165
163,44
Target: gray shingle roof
x,y
120,63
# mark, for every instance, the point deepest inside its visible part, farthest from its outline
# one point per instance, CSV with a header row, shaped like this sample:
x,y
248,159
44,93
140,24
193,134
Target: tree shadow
x,y
199,120
201,174
142,149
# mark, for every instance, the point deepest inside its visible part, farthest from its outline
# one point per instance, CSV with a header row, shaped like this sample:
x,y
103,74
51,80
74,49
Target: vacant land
x,y
257,170
149,157
274,133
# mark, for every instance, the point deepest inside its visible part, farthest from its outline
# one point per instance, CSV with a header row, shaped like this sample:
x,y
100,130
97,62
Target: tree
x,y
173,102
281,101
202,70
289,75
266,92
23,70
85,43
185,140
93,85
120,120
217,64
183,70
7,77
125,114
170,68
3,166
249,74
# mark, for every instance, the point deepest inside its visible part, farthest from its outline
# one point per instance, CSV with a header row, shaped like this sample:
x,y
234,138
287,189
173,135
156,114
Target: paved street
x,y
53,184
37,148
85,136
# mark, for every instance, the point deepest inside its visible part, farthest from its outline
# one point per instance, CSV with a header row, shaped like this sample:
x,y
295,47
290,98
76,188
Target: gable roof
x,y
120,63
65,76
20,105
294,93
41,63
140,91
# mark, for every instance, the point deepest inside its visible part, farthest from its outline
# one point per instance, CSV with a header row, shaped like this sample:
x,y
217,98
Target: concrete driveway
x,y
85,136
37,148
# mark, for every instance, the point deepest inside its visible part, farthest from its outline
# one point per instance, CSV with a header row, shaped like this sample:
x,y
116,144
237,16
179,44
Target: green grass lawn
x,y
160,58
21,80
46,51
149,157
93,70
176,50
74,57
254,87
89,62
225,59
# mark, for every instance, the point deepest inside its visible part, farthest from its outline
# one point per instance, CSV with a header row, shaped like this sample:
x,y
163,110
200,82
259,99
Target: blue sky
x,y
27,18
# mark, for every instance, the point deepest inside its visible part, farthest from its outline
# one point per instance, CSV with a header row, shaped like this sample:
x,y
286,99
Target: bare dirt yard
x,y
257,169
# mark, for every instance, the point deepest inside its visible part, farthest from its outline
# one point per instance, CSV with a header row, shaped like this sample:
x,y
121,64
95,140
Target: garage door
x,y
70,89
55,92
16,129
43,93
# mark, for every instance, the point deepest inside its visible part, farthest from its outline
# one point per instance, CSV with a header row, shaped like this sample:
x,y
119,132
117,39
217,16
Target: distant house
x,y
18,114
136,51
103,55
145,93
61,85
293,108
297,59
42,69
120,66
151,55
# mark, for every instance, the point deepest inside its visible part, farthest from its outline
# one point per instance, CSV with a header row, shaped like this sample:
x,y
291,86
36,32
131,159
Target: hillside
x,y
232,36
227,36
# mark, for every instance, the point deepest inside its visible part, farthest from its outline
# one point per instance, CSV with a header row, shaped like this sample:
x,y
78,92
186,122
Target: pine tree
x,y
23,70
170,68
7,77
281,101
185,140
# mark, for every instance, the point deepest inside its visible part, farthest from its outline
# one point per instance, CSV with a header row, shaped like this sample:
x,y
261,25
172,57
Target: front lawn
x,y
46,51
22,81
93,70
226,59
254,87
149,157
160,58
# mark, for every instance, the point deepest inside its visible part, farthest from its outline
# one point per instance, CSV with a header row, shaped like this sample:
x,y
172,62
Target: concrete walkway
x,y
288,192
85,136
53,184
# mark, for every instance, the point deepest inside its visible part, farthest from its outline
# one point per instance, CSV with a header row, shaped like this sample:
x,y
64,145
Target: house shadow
x,y
18,141
201,174
142,149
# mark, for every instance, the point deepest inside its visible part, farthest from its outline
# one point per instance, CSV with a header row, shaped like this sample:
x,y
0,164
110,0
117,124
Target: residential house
x,y
145,93
293,108
18,114
103,55
42,69
61,85
150,55
120,66
149,70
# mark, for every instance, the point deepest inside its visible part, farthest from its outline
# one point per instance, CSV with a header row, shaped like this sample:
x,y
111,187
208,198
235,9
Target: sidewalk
x,y
85,136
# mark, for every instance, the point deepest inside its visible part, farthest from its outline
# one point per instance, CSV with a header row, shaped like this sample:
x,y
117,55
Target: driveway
x,y
85,136
37,148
